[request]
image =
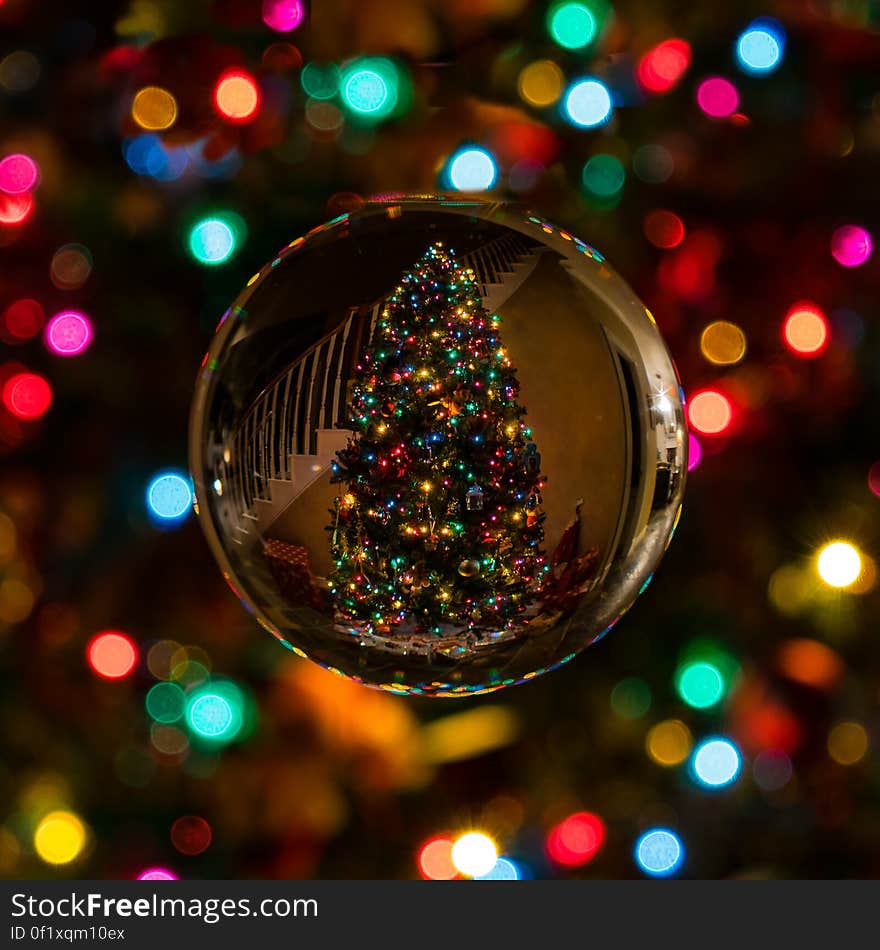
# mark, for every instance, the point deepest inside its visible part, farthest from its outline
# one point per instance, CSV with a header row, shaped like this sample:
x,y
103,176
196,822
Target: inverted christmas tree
x,y
438,523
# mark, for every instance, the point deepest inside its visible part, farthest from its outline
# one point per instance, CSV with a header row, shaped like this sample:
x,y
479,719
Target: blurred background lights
x,y
851,245
215,711
573,25
70,266
23,319
213,240
435,860
540,83
699,684
157,874
191,835
839,564
165,702
154,108
504,870
210,715
587,103
760,46
772,770
716,762
717,97
18,174
669,742
659,852
874,478
603,176
112,655
60,837
695,452
576,840
661,68
15,209
320,81
723,343
237,96
283,15
27,396
170,496
68,333
847,743
664,229
369,87
805,330
19,71
631,698
472,169
710,412
474,854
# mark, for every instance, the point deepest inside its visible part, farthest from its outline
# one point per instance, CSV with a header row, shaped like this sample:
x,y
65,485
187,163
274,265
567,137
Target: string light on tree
x,y
438,522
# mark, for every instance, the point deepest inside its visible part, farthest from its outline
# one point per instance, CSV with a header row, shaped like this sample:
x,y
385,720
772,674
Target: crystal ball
x,y
438,446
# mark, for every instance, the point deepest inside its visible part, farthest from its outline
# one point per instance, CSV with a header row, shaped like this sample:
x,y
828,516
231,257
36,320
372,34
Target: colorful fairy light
x,y
503,870
191,835
723,343
369,88
574,25
214,239
112,655
154,109
587,103
283,15
760,46
695,452
215,711
659,852
848,743
157,874
662,68
839,564
474,854
576,840
60,837
603,176
68,333
664,229
716,763
27,396
710,412
669,742
805,330
851,245
717,97
170,496
237,96
15,209
631,698
18,174
540,83
24,318
165,702
472,169
700,684
435,859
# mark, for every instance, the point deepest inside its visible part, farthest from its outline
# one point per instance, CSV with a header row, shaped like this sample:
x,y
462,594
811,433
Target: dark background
x,y
337,781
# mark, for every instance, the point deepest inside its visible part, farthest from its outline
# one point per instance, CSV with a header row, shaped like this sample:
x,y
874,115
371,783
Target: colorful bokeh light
x,y
435,860
760,46
504,870
472,169
215,711
23,319
191,835
157,874
587,103
699,684
717,97
574,25
68,333
15,209
215,238
18,174
170,496
695,452
805,330
716,762
710,412
474,854
669,743
848,743
659,852
237,96
60,837
154,109
111,654
576,840
369,88
603,176
723,343
283,15
165,702
540,83
839,564
662,68
664,229
27,396
631,698
851,245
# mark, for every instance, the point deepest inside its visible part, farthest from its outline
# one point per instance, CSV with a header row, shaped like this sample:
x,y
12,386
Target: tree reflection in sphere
x,y
438,446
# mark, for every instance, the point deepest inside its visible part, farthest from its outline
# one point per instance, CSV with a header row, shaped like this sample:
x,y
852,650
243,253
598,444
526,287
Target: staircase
x,y
290,435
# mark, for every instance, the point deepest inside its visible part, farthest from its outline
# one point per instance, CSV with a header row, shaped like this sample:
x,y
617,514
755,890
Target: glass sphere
x,y
438,446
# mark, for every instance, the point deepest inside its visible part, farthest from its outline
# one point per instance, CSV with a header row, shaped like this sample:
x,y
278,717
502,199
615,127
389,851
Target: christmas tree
x,y
439,519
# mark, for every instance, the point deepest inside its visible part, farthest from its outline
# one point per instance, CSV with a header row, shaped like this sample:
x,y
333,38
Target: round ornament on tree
x,y
438,446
